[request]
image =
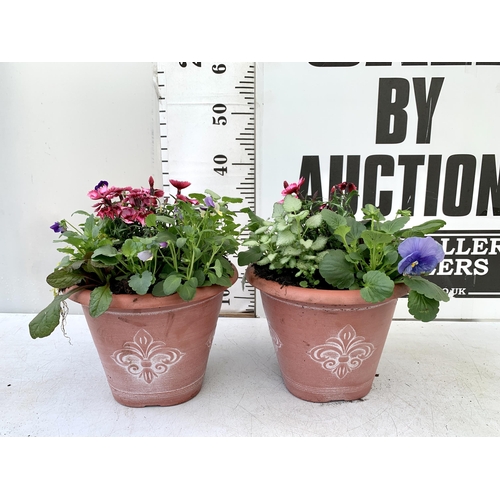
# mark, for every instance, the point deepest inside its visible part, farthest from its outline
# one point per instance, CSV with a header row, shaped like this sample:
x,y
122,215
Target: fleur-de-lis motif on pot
x,y
145,357
343,353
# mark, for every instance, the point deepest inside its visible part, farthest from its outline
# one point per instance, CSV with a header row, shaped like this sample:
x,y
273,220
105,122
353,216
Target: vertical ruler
x,y
207,129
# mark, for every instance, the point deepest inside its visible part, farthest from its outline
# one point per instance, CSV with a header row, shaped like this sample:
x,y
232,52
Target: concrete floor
x,y
435,379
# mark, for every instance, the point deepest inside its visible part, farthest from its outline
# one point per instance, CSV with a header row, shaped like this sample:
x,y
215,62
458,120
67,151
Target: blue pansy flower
x,y
420,255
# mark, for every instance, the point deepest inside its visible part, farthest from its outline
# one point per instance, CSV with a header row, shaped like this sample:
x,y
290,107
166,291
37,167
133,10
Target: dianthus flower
x,y
293,188
347,187
180,185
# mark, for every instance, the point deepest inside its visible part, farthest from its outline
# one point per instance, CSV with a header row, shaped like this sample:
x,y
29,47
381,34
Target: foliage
x,y
136,242
323,245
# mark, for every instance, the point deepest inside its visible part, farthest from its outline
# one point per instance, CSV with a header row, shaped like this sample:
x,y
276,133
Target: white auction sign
x,y
418,136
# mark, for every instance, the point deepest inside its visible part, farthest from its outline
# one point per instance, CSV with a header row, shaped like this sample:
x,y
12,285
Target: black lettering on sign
x,y
410,164
457,199
392,119
432,186
312,174
426,104
372,164
489,186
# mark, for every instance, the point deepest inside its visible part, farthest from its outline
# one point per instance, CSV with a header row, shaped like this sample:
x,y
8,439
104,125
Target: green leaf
x,y
150,220
426,287
356,229
213,194
100,299
171,284
353,257
131,248
373,239
249,256
106,254
166,219
180,242
342,231
278,211
332,219
200,276
285,238
105,261
46,321
187,291
336,270
377,286
422,307
427,227
140,283
391,226
319,243
228,199
372,213
224,281
391,257
218,268
81,212
157,290
314,221
63,279
291,204
107,250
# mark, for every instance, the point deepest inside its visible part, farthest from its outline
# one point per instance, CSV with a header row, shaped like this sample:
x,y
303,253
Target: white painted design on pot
x,y
343,353
276,340
145,357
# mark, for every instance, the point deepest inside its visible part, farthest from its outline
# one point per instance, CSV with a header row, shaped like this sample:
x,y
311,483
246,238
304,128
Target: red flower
x,y
180,185
344,186
293,188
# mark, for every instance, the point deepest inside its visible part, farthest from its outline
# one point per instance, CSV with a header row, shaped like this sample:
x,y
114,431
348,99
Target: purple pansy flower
x,y
420,255
57,227
102,184
145,255
209,202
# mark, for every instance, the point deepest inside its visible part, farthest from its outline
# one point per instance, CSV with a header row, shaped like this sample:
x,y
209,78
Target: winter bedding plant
x,y
136,242
316,244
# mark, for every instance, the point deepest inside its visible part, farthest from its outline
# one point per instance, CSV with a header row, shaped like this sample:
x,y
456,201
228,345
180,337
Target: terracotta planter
x,y
154,350
328,342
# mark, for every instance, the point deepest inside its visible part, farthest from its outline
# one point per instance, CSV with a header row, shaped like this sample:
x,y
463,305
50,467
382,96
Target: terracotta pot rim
x,y
149,301
315,296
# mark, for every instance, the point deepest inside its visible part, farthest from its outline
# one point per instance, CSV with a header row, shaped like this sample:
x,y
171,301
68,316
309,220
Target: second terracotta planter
x,y
328,342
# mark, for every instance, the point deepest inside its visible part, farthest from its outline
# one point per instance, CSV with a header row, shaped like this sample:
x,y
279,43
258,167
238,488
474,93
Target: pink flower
x,y
128,215
186,199
103,192
152,191
293,188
